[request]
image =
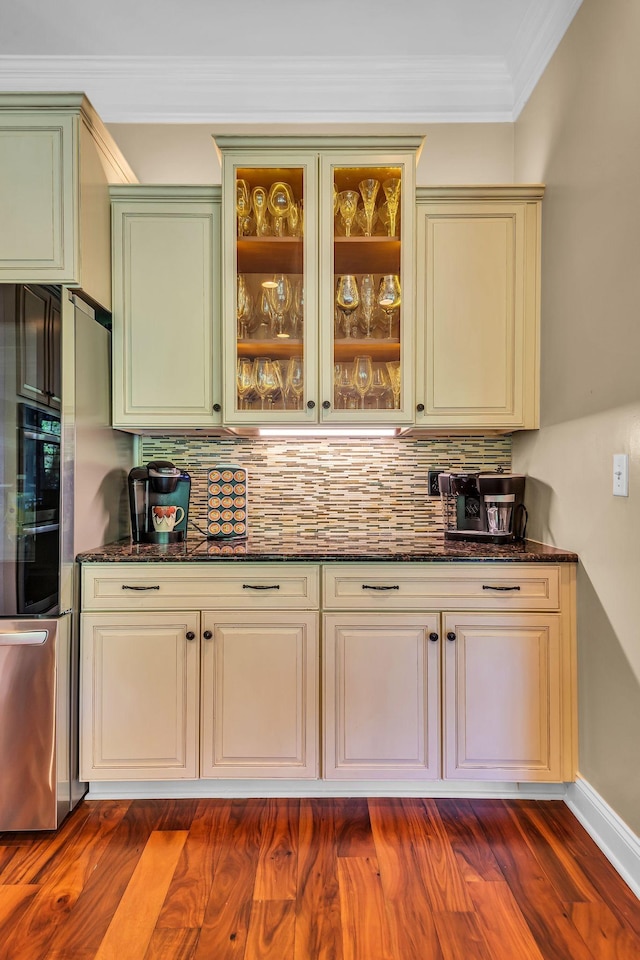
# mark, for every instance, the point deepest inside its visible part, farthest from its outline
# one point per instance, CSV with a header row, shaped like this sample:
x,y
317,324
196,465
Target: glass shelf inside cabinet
x,y
270,288
367,266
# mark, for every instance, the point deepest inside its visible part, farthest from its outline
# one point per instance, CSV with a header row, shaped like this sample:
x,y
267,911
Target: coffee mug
x,y
165,518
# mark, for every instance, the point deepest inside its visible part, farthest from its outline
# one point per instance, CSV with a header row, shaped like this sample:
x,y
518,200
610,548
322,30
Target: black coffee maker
x,y
483,506
159,503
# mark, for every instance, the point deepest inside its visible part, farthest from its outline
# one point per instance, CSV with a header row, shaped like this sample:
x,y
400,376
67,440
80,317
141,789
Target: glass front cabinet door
x,y
318,282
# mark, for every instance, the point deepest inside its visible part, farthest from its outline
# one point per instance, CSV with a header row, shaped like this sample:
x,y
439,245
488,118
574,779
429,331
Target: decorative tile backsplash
x,y
342,485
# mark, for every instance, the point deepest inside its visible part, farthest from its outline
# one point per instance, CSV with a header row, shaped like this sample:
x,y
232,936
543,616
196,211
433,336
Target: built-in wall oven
x,y
38,511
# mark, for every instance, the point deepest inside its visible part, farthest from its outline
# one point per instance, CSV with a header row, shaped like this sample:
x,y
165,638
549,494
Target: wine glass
x,y
294,221
342,383
362,377
295,378
266,378
279,297
389,297
243,205
244,305
244,380
393,369
259,201
348,204
380,384
279,202
391,189
367,300
297,307
369,191
347,298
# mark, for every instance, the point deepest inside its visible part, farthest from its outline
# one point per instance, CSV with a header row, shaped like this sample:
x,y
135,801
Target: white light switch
x,y
620,475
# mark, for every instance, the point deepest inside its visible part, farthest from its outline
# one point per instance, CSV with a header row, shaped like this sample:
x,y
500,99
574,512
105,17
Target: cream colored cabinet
x,y
505,637
260,695
478,306
166,311
56,162
318,279
503,697
139,696
381,696
206,670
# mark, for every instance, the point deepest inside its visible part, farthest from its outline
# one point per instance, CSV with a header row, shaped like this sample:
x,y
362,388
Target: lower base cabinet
x,y
461,672
168,697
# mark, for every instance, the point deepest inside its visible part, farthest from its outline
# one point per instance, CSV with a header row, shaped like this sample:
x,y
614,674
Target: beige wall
x,y
580,134
185,153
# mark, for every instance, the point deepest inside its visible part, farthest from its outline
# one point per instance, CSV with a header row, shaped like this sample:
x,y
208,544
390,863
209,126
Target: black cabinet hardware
x,y
126,586
259,586
369,586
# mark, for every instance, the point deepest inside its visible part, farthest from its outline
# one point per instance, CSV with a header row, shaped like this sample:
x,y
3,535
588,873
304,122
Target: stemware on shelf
x,y
244,380
391,188
393,368
244,306
389,297
347,299
297,307
279,202
266,378
260,211
279,297
243,205
369,191
380,384
362,376
342,383
367,301
295,378
348,205
264,316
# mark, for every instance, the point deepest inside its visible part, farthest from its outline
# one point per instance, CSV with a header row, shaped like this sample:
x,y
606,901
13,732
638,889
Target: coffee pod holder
x,y
227,502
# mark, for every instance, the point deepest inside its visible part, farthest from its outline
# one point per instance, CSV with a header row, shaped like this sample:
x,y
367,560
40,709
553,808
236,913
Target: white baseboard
x,y
177,789
620,845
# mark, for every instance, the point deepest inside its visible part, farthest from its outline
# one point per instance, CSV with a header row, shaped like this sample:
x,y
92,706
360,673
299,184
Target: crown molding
x,y
269,90
308,90
537,39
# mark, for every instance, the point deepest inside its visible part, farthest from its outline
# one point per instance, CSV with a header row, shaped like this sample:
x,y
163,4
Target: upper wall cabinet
x,y
56,162
318,259
166,312
478,305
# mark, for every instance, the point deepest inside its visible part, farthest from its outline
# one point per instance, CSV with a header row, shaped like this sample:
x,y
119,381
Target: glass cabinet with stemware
x,y
318,283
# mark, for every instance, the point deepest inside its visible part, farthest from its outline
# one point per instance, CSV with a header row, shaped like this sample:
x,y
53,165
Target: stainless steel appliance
x,y
159,503
483,506
59,479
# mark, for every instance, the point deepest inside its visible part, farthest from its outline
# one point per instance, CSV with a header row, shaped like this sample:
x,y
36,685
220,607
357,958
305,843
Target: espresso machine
x,y
159,503
483,506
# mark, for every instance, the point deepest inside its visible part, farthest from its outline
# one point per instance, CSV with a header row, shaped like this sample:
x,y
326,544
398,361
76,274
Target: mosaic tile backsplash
x,y
353,487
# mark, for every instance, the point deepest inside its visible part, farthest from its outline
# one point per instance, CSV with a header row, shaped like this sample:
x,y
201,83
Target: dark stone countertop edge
x,y
436,551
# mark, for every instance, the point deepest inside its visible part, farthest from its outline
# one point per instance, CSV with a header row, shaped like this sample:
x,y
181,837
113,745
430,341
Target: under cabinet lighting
x,y
327,432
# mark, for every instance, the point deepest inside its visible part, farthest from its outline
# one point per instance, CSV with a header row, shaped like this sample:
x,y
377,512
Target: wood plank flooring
x,y
327,879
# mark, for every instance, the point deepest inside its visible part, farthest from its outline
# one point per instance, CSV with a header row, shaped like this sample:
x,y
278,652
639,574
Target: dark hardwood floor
x,y
343,879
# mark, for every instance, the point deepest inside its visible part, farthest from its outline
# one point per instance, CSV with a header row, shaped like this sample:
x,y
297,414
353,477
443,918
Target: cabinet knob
x,y
217,407
451,635
190,635
433,637
326,404
420,407
207,635
311,404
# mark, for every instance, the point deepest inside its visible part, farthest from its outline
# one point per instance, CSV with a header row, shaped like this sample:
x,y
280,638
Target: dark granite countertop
x,y
327,547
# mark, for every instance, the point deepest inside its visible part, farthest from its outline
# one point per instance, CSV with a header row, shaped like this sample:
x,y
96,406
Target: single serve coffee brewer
x,y
159,503
483,506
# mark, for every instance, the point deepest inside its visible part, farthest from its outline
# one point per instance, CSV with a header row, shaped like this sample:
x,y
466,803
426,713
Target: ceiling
x,y
337,61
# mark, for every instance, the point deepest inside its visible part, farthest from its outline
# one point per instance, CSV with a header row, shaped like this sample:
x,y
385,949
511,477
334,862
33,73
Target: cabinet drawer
x,y
409,586
160,586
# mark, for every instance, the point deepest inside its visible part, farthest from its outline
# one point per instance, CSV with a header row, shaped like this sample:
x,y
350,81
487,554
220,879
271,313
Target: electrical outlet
x,y
620,475
432,482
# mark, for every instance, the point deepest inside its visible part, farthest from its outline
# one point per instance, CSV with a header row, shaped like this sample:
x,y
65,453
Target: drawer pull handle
x,y
369,586
259,586
486,586
126,586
